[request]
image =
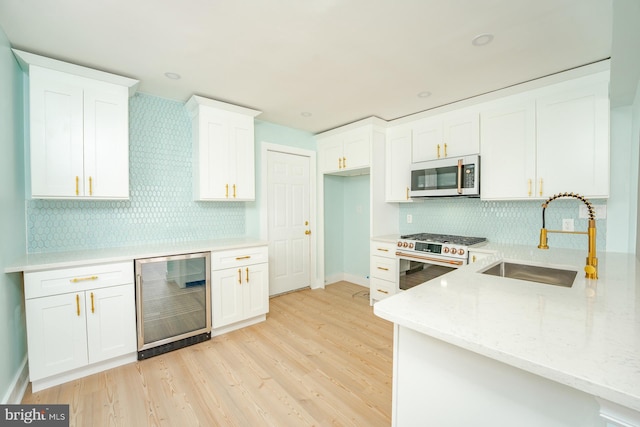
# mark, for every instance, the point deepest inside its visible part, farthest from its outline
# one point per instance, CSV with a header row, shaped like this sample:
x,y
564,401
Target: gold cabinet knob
x,y
307,232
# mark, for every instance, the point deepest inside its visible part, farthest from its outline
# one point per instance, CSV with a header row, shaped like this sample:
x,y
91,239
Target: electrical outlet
x,y
409,218
567,224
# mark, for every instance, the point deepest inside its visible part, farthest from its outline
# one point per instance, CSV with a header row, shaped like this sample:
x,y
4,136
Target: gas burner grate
x,y
445,238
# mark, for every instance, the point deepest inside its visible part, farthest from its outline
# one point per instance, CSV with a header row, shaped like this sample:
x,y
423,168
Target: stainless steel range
x,y
425,256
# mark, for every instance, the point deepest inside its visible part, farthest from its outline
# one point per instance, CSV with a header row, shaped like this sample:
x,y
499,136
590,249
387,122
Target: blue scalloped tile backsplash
x,y
161,206
512,222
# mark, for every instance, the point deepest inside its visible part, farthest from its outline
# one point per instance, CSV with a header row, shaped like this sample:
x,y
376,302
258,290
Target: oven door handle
x,y
426,258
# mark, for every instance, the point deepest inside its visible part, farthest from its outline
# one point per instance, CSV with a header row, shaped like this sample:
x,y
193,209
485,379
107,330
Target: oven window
x,y
414,273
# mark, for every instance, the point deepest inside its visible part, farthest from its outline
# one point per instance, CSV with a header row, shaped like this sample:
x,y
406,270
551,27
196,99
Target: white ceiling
x,y
340,60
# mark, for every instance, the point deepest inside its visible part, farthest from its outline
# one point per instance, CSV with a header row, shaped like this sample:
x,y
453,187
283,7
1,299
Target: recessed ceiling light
x,y
482,39
172,76
306,114
424,94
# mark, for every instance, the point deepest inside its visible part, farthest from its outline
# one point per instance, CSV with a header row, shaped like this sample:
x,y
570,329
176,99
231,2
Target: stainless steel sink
x,y
533,273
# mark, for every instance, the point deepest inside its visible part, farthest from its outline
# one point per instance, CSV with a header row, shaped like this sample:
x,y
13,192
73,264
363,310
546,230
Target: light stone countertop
x,y
586,337
46,261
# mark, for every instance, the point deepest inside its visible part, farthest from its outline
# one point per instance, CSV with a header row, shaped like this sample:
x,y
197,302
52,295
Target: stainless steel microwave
x,y
449,177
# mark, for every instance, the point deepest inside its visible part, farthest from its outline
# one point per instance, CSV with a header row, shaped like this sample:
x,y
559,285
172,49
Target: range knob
x,y
445,250
405,244
410,245
399,244
461,251
454,251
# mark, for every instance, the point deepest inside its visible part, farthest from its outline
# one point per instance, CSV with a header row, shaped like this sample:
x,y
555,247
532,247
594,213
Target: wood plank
x,y
321,358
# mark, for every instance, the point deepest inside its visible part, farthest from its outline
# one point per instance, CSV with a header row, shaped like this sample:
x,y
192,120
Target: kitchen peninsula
x,y
476,349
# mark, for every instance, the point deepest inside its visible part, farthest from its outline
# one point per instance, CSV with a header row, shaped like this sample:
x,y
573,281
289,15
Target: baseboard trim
x,y
362,281
18,386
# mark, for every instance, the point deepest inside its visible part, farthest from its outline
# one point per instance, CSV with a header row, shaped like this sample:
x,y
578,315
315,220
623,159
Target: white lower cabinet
x,y
239,288
93,322
384,271
477,255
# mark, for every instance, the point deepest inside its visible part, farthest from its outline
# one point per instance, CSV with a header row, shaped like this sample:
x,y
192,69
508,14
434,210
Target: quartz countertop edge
x,y
69,259
585,337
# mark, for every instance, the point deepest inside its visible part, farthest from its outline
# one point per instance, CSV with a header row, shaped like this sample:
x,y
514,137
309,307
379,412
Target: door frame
x,y
264,212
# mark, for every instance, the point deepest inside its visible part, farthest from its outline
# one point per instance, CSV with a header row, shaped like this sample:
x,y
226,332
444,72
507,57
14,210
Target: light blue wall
x,y
347,213
334,225
161,206
356,226
12,223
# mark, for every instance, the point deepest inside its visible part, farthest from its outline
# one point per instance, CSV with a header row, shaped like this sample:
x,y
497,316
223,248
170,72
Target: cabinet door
x,y
398,166
241,157
226,296
256,290
508,151
56,139
106,140
213,167
574,125
428,140
330,154
56,334
461,134
111,319
356,149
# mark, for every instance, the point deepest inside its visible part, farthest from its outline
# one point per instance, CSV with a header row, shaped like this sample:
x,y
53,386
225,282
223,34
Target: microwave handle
x,y
459,176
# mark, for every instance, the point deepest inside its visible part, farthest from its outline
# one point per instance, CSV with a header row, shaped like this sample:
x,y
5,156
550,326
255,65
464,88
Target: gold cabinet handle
x,y
445,150
307,232
78,304
77,186
407,196
90,186
383,291
339,162
93,307
226,190
240,276
473,258
383,268
382,249
247,270
238,258
438,149
529,192
234,191
83,279
540,186
344,162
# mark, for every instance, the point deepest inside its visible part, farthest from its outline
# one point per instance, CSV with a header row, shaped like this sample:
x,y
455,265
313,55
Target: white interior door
x,y
288,221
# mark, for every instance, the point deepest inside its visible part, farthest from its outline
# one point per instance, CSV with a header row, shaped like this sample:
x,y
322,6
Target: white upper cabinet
x,y
451,134
345,153
79,130
223,150
573,138
547,141
398,164
508,150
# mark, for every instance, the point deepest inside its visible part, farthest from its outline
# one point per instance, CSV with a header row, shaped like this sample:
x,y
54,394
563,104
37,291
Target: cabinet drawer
x,y
384,268
384,249
239,257
77,279
381,289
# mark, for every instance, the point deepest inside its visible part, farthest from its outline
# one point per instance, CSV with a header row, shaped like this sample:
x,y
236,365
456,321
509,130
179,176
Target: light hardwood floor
x,y
321,358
